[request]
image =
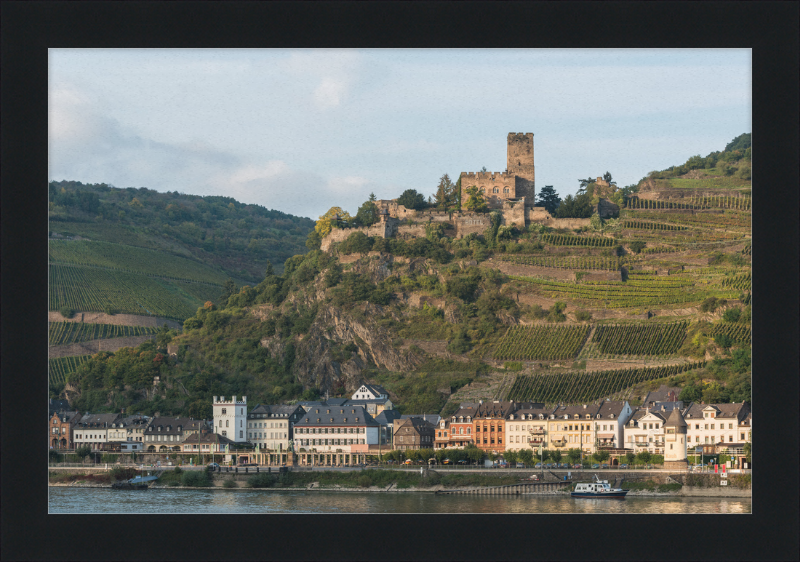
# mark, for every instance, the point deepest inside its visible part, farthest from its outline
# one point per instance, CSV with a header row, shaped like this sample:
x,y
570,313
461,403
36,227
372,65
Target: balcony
x,y
536,431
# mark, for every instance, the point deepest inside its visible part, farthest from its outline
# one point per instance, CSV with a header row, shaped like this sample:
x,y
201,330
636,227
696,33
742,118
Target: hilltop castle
x,y
511,193
517,183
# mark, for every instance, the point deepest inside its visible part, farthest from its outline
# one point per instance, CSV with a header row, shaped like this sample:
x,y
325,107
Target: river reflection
x,y
105,500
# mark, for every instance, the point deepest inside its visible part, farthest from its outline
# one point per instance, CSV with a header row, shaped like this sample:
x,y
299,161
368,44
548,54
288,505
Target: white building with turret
x,y
230,418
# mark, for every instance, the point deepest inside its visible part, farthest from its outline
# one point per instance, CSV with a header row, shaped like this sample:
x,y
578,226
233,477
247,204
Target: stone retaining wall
x,y
94,346
115,319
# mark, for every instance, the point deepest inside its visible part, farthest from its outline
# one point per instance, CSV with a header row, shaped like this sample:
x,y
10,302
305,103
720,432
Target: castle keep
x,y
515,184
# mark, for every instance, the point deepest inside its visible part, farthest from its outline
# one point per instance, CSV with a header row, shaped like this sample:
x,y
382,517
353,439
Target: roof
x,y
494,409
675,419
135,421
417,423
98,420
609,408
173,424
430,418
536,412
375,388
736,410
71,417
466,409
336,401
56,405
276,410
661,394
333,415
580,409
356,401
387,417
207,437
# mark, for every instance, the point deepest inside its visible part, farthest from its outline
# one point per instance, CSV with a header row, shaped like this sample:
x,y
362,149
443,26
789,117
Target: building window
x,y
224,411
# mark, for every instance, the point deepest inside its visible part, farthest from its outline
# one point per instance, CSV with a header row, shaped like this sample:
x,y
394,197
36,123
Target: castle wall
x,y
384,229
469,223
537,214
514,213
406,231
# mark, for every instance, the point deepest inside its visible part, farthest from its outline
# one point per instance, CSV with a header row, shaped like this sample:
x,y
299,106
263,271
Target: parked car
x,y
595,466
623,465
564,465
577,465
502,464
446,461
520,465
603,466
213,466
538,465
462,461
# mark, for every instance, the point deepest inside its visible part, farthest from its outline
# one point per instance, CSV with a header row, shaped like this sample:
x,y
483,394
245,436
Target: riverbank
x,y
426,481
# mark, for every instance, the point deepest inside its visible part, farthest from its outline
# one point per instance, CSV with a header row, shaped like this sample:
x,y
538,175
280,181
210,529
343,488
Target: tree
x,y
549,199
630,457
643,457
637,246
228,289
690,393
367,214
425,454
443,198
525,456
583,184
83,451
574,455
313,240
476,201
578,207
325,222
741,142
372,197
410,199
555,455
602,456
607,177
474,454
510,457
748,447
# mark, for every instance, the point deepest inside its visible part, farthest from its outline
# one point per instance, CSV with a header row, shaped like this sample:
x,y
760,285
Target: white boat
x,y
598,489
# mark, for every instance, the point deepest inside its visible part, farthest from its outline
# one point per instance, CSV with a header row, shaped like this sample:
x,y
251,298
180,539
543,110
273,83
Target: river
x,y
216,501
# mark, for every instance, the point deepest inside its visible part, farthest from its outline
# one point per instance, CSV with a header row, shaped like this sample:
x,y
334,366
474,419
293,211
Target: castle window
x,y
495,190
506,190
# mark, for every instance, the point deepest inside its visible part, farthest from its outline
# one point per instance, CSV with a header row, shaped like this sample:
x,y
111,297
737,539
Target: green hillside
x,y
661,294
138,251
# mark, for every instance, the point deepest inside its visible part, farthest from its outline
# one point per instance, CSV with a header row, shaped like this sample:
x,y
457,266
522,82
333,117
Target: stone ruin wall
x,y
469,223
383,229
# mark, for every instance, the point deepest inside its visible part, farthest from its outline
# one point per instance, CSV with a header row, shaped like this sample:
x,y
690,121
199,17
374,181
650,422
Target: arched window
x,y
506,190
495,190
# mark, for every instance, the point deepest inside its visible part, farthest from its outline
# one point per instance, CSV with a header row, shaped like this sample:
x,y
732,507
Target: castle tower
x,y
230,418
675,441
520,163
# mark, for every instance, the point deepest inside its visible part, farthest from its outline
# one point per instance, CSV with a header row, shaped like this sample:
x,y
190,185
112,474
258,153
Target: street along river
x,y
215,501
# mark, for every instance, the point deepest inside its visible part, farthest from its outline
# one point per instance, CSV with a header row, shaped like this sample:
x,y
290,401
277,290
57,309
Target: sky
x,y
301,131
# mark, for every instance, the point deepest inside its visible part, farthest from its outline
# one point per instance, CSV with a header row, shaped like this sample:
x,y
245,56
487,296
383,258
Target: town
x,y
365,429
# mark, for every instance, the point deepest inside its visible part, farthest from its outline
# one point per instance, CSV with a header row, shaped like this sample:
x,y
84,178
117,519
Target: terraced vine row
x,y
640,339
694,202
570,240
646,293
737,332
583,387
661,250
742,282
541,342
59,368
748,250
739,220
589,262
63,333
86,288
131,259
646,225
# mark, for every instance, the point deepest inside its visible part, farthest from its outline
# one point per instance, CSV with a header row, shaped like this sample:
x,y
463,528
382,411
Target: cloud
x,y
329,73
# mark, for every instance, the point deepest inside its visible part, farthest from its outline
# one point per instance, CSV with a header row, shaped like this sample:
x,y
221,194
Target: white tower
x,y
675,441
230,418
